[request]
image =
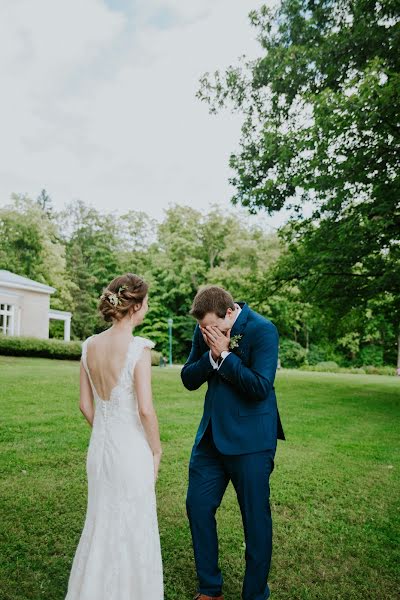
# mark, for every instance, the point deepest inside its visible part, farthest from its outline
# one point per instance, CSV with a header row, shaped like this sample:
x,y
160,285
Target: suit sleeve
x,y
198,367
257,380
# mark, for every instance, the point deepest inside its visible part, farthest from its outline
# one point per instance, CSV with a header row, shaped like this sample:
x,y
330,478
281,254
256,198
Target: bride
x,y
118,555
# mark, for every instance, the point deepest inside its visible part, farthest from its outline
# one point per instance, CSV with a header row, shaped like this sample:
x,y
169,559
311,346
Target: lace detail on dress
x,y
135,350
118,556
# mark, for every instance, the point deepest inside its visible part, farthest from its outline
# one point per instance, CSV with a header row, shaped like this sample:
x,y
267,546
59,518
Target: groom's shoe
x,y
204,597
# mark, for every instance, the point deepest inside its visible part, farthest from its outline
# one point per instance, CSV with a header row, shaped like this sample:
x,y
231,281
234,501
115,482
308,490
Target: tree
x,y
31,246
45,203
93,260
321,125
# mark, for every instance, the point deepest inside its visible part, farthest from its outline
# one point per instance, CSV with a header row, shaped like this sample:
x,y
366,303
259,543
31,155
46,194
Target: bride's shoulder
x,y
86,340
143,342
84,346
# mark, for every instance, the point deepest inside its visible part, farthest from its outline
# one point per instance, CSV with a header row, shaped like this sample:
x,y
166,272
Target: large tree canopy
x,y
30,245
321,124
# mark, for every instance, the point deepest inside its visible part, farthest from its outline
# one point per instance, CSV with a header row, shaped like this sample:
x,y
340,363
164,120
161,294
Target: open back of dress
x,y
106,362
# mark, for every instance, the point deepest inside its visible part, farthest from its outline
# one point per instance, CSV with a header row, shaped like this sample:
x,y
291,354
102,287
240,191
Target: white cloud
x,y
99,103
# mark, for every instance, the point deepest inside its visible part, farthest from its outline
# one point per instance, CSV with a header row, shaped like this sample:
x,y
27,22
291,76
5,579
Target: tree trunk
x,y
212,256
307,336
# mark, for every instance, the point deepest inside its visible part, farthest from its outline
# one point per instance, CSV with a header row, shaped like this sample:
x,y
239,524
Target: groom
x,y
234,350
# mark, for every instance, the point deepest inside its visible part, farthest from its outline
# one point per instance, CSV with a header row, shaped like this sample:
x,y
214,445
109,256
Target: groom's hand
x,y
216,340
207,341
203,333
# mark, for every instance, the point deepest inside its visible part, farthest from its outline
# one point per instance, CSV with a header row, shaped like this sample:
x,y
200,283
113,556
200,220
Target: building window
x,y
7,319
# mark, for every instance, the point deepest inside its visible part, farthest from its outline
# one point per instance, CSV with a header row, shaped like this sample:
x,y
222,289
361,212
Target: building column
x,y
67,329
12,320
18,323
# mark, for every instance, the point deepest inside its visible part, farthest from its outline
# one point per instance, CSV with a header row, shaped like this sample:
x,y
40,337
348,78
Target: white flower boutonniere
x,y
234,341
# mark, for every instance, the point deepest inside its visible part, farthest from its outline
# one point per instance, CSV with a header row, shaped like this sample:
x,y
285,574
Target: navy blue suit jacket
x,y
240,399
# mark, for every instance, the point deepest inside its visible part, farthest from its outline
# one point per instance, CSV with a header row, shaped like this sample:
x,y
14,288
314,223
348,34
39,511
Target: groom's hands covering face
x,y
216,340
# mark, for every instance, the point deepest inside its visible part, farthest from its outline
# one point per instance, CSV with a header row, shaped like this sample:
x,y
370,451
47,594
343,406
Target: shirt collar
x,y
239,310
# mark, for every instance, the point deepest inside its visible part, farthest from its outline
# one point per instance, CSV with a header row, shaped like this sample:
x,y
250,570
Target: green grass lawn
x,y
335,487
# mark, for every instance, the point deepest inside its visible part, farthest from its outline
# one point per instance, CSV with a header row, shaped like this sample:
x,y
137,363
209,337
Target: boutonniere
x,y
234,342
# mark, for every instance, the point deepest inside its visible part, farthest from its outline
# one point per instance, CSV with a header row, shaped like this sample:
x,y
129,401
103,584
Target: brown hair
x,y
211,299
121,295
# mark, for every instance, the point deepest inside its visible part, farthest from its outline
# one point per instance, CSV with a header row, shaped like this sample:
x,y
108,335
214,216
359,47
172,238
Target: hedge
x,y
325,352
332,367
52,348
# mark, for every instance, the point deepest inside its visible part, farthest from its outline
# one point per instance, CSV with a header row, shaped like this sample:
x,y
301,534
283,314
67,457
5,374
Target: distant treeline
x,y
79,250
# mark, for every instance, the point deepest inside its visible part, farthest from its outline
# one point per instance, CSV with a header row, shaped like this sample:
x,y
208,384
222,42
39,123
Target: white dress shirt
x,y
225,353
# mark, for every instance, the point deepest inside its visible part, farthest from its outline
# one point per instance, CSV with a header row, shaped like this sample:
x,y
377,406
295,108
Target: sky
x,y
99,103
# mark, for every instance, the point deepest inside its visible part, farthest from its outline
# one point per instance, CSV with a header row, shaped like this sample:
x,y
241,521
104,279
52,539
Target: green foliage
x,y
30,245
155,358
320,113
291,353
350,342
52,348
327,365
332,367
371,355
80,250
325,351
56,329
316,354
26,346
372,370
92,246
193,249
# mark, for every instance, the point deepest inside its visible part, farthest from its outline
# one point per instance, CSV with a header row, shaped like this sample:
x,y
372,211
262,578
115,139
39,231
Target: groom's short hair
x,y
211,299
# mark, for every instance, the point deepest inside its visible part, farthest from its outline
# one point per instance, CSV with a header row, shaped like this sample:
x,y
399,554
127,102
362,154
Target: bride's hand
x,y
156,463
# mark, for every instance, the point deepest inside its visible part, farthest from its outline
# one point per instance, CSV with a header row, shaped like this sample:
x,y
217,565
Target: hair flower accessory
x,y
234,341
113,297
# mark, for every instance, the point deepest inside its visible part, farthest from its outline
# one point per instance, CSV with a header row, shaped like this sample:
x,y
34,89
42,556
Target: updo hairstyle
x,y
121,295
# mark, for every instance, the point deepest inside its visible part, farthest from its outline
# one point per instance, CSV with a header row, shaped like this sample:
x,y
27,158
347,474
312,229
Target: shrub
x,y
372,370
325,365
26,346
316,354
353,370
291,353
323,352
52,348
328,367
155,358
371,355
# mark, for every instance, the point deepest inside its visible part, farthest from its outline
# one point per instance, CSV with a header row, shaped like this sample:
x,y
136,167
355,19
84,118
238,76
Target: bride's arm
x,y
86,401
148,417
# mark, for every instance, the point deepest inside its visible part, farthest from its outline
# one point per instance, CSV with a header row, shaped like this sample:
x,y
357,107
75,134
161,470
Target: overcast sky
x,y
98,101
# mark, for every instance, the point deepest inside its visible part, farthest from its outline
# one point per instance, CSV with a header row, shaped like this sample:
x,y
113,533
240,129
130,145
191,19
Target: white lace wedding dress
x,y
118,556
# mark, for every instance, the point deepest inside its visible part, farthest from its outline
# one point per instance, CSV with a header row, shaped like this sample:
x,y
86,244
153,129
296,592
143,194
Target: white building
x,y
25,307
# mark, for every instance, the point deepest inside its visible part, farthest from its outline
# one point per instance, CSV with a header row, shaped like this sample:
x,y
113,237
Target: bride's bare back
x,y
106,356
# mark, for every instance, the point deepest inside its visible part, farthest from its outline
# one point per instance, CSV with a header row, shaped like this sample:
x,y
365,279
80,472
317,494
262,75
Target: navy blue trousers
x,y
209,474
